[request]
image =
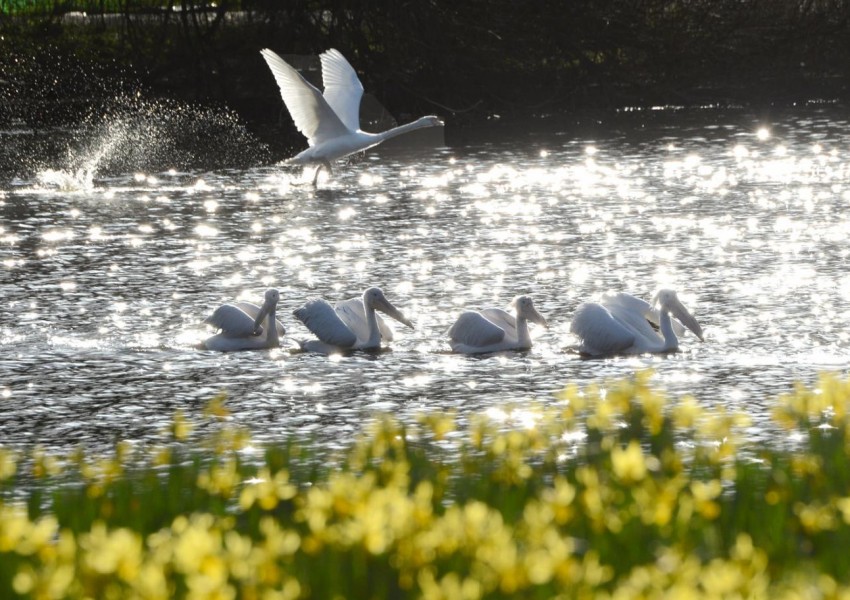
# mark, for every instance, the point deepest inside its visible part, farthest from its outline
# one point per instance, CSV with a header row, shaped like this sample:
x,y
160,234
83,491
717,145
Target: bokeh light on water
x,y
106,279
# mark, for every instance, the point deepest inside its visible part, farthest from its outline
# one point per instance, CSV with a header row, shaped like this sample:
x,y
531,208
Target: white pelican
x,y
330,122
622,324
349,325
494,329
241,325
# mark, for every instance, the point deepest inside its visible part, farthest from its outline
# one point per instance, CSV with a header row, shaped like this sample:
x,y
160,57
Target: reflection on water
x,y
105,283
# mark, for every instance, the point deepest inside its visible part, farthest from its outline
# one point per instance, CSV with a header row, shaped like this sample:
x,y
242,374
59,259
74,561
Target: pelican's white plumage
x,y
622,324
494,329
349,325
241,325
330,121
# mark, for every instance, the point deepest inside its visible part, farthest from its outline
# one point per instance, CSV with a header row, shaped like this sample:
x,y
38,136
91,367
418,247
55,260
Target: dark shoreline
x,y
474,66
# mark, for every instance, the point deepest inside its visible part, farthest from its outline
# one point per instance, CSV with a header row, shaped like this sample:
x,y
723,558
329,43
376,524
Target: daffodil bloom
x,y
628,463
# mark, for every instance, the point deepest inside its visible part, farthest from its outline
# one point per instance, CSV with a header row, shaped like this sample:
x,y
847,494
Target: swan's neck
x,y
407,127
671,342
523,337
374,339
271,329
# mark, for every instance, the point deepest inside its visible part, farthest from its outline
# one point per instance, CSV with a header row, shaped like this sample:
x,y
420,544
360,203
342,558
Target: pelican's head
x,y
269,304
524,307
667,300
374,298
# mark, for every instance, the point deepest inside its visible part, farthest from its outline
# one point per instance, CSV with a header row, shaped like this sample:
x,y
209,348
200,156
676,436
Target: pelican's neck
x,y
374,339
407,127
523,337
671,342
271,329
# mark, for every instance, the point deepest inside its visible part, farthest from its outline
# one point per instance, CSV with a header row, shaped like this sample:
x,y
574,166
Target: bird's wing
x,y
632,312
343,90
353,314
599,331
232,320
311,113
321,318
252,310
503,319
474,329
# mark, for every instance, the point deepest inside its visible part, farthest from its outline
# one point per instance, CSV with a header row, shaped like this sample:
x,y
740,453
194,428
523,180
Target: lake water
x,y
105,279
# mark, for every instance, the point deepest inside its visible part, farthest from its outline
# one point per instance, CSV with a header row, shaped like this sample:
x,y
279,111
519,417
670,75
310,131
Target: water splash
x,y
49,135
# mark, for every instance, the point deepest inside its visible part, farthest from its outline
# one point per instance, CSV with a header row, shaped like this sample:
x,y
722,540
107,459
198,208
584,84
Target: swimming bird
x,y
242,326
494,329
623,324
330,122
349,325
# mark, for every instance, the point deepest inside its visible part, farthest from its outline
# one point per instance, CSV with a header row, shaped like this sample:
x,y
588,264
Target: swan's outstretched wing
x,y
502,318
599,331
353,314
252,310
343,90
232,320
321,318
474,329
312,114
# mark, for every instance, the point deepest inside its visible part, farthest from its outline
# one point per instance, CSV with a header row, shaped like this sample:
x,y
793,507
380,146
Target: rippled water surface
x,y
105,282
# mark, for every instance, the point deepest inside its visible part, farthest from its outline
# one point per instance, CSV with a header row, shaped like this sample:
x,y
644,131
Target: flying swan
x,y
494,329
623,324
241,325
330,122
349,325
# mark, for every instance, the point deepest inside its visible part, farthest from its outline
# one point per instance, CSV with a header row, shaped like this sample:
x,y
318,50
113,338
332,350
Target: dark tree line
x,y
463,60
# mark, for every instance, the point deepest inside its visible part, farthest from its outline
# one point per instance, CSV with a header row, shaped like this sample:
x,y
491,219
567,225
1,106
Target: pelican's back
x,y
633,312
473,329
503,319
599,331
321,318
232,320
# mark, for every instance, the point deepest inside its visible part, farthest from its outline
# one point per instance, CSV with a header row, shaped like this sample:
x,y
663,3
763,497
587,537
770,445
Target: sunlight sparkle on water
x,y
515,417
205,230
417,380
57,235
763,133
749,227
369,180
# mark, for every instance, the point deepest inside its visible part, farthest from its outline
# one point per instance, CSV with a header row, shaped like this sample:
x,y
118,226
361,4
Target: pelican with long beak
x,y
241,325
623,324
494,329
349,325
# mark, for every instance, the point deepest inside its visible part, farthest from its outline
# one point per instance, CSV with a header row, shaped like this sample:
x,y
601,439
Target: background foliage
x,y
466,61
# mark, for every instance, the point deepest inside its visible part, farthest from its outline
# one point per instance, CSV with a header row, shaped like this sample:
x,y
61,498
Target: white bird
x,y
241,325
330,122
623,324
349,325
494,329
